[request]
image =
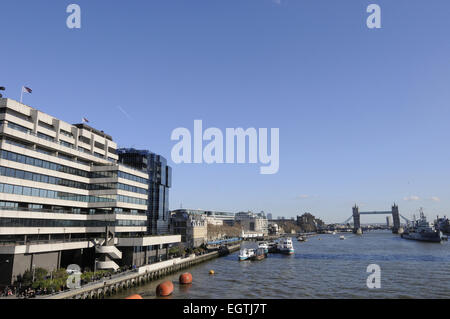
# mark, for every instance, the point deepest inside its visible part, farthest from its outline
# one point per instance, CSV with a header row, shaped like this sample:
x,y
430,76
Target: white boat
x,y
264,246
342,237
246,253
285,246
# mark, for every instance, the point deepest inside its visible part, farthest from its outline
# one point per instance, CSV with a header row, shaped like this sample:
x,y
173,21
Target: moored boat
x,y
285,246
258,254
423,230
264,246
246,254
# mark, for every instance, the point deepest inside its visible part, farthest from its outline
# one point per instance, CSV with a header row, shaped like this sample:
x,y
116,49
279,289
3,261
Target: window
x,y
10,172
28,176
27,191
17,190
20,174
46,125
8,189
18,127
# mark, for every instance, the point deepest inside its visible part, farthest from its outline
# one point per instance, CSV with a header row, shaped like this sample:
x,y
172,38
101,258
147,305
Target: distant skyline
x,y
362,114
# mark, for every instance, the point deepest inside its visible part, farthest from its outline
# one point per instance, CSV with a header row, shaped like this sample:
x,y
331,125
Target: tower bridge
x,y
396,228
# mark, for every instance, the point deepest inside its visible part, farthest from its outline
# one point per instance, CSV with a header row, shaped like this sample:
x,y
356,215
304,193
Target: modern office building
x,y
65,199
159,182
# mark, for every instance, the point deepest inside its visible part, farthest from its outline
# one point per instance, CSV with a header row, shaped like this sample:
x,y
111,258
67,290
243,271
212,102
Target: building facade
x,y
192,225
159,182
253,223
65,199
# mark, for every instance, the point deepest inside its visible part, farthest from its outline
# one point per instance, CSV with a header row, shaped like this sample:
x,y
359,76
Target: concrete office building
x,y
64,198
159,182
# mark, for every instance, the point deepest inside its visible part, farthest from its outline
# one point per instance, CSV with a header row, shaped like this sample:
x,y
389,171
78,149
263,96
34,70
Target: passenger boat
x,y
265,247
285,246
246,254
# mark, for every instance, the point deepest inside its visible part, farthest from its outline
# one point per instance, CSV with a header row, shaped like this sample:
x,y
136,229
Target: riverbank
x,y
142,275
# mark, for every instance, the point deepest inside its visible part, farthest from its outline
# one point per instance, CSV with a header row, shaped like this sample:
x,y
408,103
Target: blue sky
x,y
363,114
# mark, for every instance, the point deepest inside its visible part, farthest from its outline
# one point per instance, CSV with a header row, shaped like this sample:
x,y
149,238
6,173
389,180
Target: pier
x,y
142,275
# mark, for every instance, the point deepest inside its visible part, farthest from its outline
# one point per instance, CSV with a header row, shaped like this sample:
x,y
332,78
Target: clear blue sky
x,y
363,114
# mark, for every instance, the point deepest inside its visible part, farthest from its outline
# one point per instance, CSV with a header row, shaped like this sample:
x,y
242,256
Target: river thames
x,y
322,267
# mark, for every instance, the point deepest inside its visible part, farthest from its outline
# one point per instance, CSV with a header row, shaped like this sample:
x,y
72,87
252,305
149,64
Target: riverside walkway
x,y
142,275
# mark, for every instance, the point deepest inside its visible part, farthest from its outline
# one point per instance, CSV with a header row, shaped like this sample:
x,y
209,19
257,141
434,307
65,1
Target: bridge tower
x,y
396,220
356,220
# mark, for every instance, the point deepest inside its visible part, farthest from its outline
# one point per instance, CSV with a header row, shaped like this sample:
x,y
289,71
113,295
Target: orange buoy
x,y
211,272
185,278
164,289
134,297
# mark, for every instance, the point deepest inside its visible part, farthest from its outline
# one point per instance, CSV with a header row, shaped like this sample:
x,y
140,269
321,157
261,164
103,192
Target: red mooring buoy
x,y
136,296
164,289
186,278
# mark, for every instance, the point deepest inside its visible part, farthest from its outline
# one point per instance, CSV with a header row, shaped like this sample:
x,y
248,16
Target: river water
x,y
322,267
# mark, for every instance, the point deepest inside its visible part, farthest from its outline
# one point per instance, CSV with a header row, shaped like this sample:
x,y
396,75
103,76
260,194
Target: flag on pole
x,y
85,120
24,90
27,90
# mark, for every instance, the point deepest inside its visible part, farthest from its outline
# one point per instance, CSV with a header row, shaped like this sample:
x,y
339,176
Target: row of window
x,y
17,173
45,137
18,127
66,144
51,139
31,222
132,189
11,156
131,200
44,193
65,133
133,177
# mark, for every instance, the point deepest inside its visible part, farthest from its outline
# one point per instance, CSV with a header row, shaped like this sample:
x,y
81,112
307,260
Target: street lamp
x,y
95,265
